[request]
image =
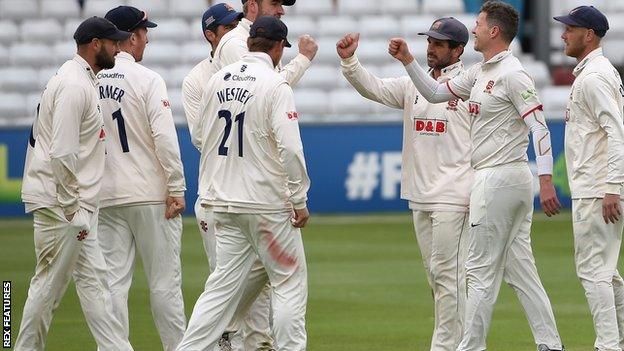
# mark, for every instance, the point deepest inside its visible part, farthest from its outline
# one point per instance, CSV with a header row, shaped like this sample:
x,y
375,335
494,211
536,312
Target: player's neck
x,y
494,50
586,52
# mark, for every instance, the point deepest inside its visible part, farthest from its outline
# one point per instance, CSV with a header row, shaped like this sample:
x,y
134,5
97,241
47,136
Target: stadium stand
x,y
36,36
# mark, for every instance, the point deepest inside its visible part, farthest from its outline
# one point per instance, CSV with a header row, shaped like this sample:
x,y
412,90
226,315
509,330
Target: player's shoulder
x,y
199,70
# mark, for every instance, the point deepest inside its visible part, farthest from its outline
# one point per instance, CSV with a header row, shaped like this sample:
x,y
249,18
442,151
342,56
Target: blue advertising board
x,y
353,167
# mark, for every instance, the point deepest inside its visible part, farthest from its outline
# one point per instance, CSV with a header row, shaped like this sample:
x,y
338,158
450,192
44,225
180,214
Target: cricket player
x,y
436,174
62,178
504,106
594,149
143,188
251,147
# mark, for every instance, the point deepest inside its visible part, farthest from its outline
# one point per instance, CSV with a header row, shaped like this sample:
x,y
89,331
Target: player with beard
x,y
436,174
62,177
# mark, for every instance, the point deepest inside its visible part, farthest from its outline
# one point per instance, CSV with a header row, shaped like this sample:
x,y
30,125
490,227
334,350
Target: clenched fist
x,y
347,45
399,50
307,46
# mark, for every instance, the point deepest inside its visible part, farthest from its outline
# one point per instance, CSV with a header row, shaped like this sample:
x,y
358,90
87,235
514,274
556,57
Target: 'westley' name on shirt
x,y
238,94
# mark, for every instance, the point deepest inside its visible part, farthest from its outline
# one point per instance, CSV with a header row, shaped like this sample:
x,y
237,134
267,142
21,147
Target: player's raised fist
x,y
347,45
399,50
307,46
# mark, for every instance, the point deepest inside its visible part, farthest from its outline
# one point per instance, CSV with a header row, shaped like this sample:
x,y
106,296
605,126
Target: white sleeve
x,y
522,93
606,111
389,91
232,51
295,69
428,87
69,109
541,141
191,98
165,137
285,127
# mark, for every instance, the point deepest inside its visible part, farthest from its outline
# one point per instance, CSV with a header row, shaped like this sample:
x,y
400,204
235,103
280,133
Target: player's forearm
x,y
295,69
296,173
615,167
541,142
428,87
168,154
64,172
368,85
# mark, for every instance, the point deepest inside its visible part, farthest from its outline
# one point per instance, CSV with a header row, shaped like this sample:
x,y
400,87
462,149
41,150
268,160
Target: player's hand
x,y
300,218
399,50
347,45
548,196
174,206
307,46
611,210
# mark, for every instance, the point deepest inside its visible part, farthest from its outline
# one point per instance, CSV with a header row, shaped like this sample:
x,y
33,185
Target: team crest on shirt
x,y
292,115
166,103
489,86
452,105
102,134
474,108
427,126
416,99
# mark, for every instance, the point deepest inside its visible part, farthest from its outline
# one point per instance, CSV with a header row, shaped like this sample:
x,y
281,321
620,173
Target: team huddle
x,y
104,119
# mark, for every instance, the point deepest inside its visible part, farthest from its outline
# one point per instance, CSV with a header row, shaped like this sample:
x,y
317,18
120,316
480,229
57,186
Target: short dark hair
x,y
260,44
502,15
453,44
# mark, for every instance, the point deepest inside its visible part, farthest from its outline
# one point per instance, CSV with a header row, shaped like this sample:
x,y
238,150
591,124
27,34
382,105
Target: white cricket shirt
x,y
594,133
65,156
143,162
500,93
193,89
251,152
436,174
233,46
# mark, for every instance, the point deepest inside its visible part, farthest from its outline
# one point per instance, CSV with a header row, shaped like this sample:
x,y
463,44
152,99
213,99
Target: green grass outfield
x,y
367,288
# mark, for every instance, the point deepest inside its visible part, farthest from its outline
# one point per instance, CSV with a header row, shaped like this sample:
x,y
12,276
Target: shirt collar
x,y
498,57
86,68
259,57
125,55
245,24
451,71
581,65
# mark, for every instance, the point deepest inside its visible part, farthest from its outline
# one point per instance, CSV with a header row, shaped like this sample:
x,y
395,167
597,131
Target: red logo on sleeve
x,y
166,103
293,115
452,105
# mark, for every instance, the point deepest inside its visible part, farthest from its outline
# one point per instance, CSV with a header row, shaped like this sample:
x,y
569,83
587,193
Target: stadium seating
x,y
36,37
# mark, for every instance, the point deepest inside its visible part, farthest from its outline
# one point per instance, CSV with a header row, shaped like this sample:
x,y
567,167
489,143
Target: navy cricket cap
x,y
100,28
219,14
586,17
285,2
269,27
448,28
129,18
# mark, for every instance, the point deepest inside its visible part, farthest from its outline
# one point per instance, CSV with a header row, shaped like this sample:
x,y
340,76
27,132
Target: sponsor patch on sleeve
x,y
529,93
292,115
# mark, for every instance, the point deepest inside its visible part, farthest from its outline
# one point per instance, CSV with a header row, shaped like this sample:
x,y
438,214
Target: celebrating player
x,y
504,106
143,190
436,172
594,149
62,178
251,148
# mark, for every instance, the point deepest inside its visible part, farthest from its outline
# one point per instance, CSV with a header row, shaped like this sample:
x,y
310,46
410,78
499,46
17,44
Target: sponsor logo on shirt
x,y
426,126
292,115
529,93
82,235
102,134
166,103
227,76
474,108
452,105
416,99
489,86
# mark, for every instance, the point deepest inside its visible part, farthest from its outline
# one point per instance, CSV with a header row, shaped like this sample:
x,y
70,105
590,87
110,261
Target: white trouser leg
x,y
597,247
158,242
255,333
280,248
501,204
442,237
90,276
56,249
521,274
224,289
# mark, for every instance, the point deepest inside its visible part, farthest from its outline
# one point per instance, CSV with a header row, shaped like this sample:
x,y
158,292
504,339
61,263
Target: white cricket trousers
x,y
124,230
442,237
64,252
241,239
254,331
596,252
499,247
